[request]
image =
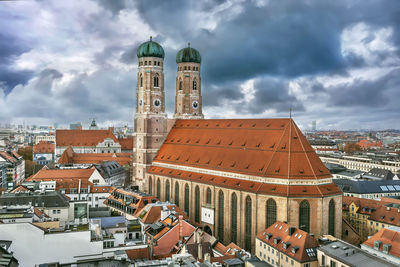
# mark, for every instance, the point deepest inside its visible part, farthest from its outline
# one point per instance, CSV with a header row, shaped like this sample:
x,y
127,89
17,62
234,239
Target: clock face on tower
x,y
195,104
157,103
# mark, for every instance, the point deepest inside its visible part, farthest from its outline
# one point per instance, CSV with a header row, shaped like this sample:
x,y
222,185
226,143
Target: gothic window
x,y
188,67
155,81
180,85
208,196
158,189
158,63
177,193
234,218
270,213
167,187
185,68
248,213
141,80
150,186
197,204
331,224
194,85
221,212
304,216
145,63
187,199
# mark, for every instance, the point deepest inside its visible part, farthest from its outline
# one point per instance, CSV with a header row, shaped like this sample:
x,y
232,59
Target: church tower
x,y
188,104
150,118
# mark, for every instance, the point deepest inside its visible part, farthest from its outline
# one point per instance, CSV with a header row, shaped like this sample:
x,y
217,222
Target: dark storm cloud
x,y
367,93
215,97
10,48
115,6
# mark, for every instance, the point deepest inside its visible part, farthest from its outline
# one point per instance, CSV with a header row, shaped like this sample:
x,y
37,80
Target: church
x,y
233,177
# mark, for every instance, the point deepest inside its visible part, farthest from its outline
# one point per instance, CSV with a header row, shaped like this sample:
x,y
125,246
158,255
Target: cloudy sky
x,y
336,62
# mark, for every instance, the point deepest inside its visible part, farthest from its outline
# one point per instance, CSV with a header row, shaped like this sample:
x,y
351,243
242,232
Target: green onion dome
x,y
188,54
150,49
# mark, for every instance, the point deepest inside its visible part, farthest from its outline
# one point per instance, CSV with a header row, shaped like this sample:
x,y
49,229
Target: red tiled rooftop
x,y
126,143
82,138
273,148
44,147
386,236
70,157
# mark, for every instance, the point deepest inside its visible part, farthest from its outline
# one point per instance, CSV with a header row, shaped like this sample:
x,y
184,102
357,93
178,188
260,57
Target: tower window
x,y
145,63
188,67
141,80
155,81
158,63
194,85
180,85
185,68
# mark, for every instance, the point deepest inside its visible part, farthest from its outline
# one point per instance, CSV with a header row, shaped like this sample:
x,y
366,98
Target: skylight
x,y
384,188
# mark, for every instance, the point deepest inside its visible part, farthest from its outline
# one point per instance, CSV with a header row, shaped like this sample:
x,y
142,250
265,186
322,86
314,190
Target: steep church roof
x,y
261,152
82,138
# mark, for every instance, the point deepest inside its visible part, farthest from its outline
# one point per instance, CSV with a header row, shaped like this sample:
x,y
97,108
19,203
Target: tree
x,y
351,147
26,152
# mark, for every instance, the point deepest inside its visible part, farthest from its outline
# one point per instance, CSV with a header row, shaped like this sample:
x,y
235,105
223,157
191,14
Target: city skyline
x,y
335,63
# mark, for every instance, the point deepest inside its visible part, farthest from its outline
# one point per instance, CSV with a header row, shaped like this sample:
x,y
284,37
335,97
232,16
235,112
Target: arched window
x,y
155,81
194,85
304,216
197,204
167,190
177,193
141,80
221,212
150,186
180,84
247,236
158,189
185,68
331,222
208,196
187,199
270,213
234,218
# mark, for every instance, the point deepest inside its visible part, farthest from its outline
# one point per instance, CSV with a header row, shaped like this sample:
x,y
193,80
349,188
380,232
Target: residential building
x,y
43,153
284,245
113,173
87,141
385,244
340,253
379,174
72,159
15,167
78,184
51,138
32,245
3,174
375,189
365,162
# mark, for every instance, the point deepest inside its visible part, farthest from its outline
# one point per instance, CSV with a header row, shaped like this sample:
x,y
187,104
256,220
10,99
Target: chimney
x,y
180,226
200,251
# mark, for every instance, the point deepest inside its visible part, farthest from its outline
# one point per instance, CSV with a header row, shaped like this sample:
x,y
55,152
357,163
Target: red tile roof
x,y
140,253
82,138
273,148
44,147
62,174
298,238
250,186
20,188
70,157
385,214
126,143
7,157
386,236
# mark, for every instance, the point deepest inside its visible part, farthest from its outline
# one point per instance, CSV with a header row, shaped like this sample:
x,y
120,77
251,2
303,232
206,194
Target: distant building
x,y
16,166
385,244
44,138
43,153
3,174
113,173
75,126
284,245
369,189
379,174
365,162
368,144
340,253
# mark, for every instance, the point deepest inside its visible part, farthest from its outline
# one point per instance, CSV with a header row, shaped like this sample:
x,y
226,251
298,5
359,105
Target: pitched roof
x,y
126,143
62,174
273,148
280,234
82,137
70,157
140,253
7,157
386,236
368,187
387,214
44,147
